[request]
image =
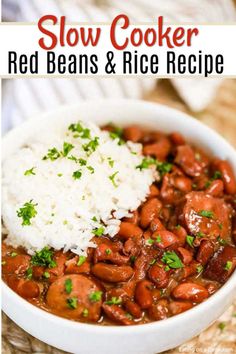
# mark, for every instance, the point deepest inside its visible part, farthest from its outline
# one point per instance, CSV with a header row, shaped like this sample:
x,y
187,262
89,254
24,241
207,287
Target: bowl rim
x,y
214,299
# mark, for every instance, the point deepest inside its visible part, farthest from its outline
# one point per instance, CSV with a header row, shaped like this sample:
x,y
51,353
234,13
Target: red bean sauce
x,y
174,252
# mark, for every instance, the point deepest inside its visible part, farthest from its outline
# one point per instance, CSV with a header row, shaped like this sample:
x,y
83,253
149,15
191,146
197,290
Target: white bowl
x,y
150,338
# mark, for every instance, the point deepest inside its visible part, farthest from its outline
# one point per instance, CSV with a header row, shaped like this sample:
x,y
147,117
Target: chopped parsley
x,y
27,212
53,154
67,147
14,254
153,261
77,174
43,258
158,239
72,302
81,260
150,241
110,161
228,265
59,174
80,131
91,146
221,241
206,213
132,259
82,162
199,268
94,218
4,262
46,275
99,231
200,234
108,251
114,301
178,227
85,313
112,178
190,240
68,285
220,226
95,296
91,169
30,172
117,133
171,259
217,175
29,273
162,167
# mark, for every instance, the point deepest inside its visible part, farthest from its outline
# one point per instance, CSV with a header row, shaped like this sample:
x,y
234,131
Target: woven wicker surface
x,y
220,115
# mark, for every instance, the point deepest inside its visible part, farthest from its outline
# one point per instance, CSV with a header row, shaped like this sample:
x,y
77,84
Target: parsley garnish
x,y
81,260
72,302
112,178
82,162
29,273
53,154
162,167
114,301
27,212
206,213
91,146
99,231
91,169
14,254
67,147
30,172
190,240
77,174
108,251
85,313
228,265
199,268
117,134
94,218
83,133
221,241
95,296
68,285
43,258
172,260
110,161
46,275
221,326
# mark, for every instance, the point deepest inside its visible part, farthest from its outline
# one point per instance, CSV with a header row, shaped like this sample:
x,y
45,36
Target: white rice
x,y
66,206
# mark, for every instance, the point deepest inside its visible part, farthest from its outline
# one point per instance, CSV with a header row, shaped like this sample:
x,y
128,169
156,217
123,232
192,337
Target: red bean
x,y
134,219
143,294
128,230
227,175
205,252
185,255
165,238
159,150
149,211
133,308
117,314
190,291
154,191
184,184
156,225
177,307
181,233
158,275
216,188
112,273
133,133
159,311
73,268
177,138
28,289
105,253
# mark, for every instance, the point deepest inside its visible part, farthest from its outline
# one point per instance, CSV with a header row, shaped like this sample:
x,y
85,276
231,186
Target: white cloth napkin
x,y
23,98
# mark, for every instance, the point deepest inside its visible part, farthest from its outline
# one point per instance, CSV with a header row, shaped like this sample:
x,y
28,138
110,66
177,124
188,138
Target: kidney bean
x,y
128,230
184,184
142,263
165,238
73,268
16,265
227,176
143,294
181,233
177,138
133,133
177,307
134,219
222,264
117,314
160,150
190,269
154,192
156,225
132,247
185,255
28,289
165,214
158,275
149,211
132,308
112,273
159,311
205,251
104,253
60,259
216,188
190,291
191,161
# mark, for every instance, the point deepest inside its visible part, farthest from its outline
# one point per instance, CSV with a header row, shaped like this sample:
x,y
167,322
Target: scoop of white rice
x,y
70,210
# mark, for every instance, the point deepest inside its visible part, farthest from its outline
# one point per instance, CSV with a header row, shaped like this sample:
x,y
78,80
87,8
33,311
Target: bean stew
x,y
171,254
